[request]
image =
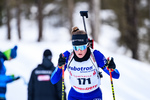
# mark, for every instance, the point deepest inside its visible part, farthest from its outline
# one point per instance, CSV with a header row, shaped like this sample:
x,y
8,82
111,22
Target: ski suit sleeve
x,y
31,87
0,65
6,79
3,77
101,61
57,73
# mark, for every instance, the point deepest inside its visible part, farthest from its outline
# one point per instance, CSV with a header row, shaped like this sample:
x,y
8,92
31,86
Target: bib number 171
x,y
82,81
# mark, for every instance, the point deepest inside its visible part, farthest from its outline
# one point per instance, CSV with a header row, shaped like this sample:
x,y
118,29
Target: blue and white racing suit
x,y
83,76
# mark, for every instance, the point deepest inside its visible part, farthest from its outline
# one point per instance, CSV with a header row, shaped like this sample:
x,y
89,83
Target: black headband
x,y
79,39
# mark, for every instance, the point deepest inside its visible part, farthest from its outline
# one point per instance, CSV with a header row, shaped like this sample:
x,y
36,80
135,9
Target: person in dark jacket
x,y
4,79
40,86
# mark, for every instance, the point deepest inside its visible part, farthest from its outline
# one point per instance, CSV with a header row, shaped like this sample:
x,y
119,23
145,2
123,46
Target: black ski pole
x,y
84,13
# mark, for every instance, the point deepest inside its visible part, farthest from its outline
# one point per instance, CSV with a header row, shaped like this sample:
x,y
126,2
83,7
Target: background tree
x,y
95,18
8,18
70,13
1,11
148,57
40,19
131,34
127,19
18,6
132,16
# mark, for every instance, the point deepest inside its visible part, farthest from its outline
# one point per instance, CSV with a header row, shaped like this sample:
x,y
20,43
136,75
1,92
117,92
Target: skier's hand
x,y
16,78
61,61
111,64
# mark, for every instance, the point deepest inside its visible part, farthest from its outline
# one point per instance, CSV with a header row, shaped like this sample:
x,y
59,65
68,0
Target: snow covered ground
x,y
134,82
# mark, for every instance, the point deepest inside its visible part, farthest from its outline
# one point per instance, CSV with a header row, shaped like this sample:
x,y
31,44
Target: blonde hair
x,y
75,31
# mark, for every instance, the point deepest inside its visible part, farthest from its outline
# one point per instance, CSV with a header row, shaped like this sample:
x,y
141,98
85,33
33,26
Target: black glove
x,y
111,64
15,78
61,60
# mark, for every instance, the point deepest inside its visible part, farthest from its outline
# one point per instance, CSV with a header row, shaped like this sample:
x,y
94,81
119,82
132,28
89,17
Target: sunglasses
x,y
81,47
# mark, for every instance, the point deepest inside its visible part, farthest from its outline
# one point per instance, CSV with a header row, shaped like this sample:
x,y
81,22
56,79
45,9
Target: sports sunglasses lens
x,y
83,47
75,48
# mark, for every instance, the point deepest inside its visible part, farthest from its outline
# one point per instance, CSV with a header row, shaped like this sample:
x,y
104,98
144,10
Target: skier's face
x,y
81,53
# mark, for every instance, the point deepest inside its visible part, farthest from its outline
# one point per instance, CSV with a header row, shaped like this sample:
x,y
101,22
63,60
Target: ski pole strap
x,y
106,65
110,69
60,66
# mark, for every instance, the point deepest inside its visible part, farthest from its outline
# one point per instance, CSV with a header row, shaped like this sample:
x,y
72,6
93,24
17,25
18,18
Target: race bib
x,y
83,76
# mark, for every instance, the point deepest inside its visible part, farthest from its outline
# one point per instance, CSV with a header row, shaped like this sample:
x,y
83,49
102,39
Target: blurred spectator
x,y
40,86
4,79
